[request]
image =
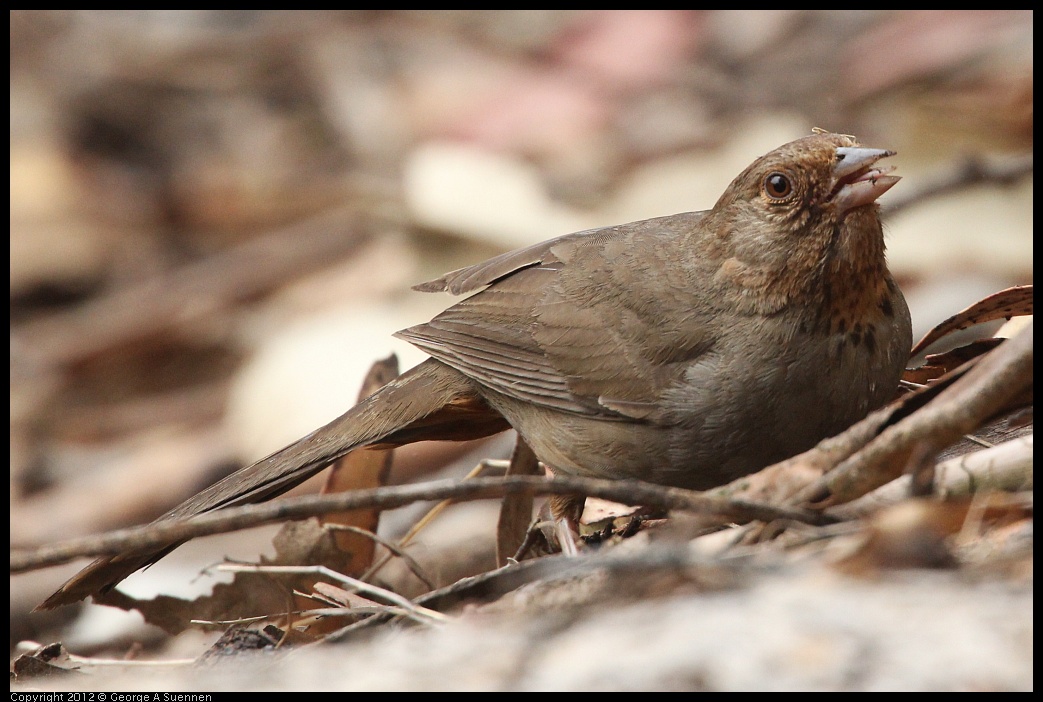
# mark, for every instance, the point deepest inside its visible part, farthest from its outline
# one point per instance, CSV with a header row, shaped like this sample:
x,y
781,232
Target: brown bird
x,y
686,350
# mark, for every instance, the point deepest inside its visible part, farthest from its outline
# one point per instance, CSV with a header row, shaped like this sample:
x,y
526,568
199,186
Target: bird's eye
x,y
777,186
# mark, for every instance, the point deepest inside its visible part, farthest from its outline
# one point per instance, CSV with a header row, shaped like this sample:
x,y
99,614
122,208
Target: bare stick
x,y
162,534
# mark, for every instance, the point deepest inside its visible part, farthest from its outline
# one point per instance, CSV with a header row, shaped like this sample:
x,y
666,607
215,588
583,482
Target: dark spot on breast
x,y
870,340
842,326
886,308
855,337
803,328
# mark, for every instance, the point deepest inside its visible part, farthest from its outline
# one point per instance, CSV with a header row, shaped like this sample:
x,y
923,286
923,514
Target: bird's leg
x,y
567,510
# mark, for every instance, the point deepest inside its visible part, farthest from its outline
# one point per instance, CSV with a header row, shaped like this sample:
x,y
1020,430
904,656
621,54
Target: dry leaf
x,y
1012,302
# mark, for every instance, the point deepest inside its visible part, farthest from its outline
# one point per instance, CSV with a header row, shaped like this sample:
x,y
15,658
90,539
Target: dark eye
x,y
777,186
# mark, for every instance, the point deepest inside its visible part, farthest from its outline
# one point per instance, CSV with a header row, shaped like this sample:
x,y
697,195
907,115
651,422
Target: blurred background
x,y
216,216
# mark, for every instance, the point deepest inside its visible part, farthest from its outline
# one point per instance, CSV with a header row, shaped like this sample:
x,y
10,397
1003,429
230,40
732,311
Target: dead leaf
x,y
938,364
516,510
1012,302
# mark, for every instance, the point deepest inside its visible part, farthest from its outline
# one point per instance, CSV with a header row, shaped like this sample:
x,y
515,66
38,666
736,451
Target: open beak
x,y
856,181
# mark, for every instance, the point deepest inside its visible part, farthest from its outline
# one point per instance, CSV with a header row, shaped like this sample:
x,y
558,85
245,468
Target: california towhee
x,y
686,350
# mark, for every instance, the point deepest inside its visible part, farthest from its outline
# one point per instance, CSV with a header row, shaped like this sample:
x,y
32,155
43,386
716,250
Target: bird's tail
x,y
429,402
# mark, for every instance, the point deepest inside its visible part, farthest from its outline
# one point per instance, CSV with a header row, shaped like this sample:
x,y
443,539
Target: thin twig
x,y
163,534
417,612
411,562
429,517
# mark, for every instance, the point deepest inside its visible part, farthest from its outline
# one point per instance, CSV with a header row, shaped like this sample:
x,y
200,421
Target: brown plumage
x,y
686,350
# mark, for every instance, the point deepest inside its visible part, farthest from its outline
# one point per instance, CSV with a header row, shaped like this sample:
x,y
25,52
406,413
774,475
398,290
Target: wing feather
x,y
547,324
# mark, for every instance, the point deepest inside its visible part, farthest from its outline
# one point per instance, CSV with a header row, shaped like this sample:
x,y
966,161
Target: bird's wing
x,y
577,323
